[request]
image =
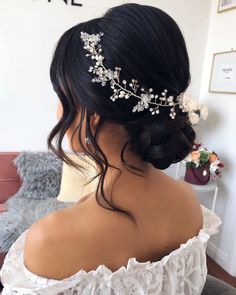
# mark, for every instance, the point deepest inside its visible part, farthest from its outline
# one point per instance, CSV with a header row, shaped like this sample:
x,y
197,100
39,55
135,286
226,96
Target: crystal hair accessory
x,y
87,140
147,99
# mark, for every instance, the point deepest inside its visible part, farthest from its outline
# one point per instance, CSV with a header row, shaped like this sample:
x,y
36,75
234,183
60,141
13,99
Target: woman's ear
x,y
94,120
59,110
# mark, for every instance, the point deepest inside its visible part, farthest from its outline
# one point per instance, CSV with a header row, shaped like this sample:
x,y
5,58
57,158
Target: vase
x,y
199,175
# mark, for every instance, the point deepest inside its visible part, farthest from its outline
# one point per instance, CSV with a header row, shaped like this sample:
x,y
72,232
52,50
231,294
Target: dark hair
x,y
148,45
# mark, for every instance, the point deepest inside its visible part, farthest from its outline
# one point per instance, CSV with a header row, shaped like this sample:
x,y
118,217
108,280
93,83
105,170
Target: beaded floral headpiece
x,y
123,89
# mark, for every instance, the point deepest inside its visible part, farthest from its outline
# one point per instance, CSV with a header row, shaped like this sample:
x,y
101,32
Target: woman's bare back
x,y
168,215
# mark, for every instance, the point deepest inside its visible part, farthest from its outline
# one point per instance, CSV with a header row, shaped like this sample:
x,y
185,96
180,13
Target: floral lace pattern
x,y
182,272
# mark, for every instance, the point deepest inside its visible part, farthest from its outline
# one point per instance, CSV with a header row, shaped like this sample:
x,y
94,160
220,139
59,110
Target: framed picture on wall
x,y
223,72
226,5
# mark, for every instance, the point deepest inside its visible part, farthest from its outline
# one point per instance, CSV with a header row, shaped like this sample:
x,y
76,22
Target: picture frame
x,y
225,5
223,73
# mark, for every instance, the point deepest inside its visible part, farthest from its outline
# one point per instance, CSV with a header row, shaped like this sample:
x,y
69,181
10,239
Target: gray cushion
x,y
214,286
41,173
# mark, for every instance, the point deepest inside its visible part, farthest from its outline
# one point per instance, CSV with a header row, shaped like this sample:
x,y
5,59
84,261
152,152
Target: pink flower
x,y
195,155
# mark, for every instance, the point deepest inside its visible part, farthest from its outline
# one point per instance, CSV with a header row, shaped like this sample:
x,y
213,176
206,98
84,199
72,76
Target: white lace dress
x,y
183,271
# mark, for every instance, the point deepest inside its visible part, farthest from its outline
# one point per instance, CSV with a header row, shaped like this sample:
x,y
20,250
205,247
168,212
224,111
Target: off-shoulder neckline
x,y
210,223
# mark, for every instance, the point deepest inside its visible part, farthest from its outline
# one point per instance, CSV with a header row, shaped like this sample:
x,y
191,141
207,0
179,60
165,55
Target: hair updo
x,y
148,45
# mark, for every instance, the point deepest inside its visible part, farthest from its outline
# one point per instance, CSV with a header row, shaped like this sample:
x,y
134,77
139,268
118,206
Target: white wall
x,y
29,30
218,133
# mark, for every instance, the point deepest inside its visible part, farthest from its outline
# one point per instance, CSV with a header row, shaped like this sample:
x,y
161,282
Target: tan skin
x,y
86,235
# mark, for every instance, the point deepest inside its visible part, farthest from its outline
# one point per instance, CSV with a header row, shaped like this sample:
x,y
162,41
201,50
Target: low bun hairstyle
x,y
147,44
163,142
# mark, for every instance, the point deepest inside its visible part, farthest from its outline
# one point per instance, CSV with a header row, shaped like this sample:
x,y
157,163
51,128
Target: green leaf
x,y
191,165
204,157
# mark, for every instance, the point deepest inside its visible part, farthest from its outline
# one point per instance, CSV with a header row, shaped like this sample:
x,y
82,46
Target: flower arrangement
x,y
195,109
201,156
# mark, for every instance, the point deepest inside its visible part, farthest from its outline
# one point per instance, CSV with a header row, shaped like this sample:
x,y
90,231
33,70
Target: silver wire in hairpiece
x,y
124,89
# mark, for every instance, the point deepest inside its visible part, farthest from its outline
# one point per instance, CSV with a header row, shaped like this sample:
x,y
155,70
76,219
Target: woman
x,y
120,80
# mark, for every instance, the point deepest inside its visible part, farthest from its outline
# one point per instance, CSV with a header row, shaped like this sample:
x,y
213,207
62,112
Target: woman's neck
x,y
122,185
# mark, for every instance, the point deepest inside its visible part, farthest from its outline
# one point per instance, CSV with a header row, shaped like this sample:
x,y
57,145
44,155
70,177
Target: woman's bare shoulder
x,y
188,193
189,208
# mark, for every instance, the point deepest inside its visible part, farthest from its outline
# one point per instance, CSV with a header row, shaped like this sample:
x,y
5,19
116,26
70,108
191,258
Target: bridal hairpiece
x,y
147,99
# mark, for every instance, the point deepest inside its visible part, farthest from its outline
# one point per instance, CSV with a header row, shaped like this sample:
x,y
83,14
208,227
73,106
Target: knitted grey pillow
x,y
41,173
29,164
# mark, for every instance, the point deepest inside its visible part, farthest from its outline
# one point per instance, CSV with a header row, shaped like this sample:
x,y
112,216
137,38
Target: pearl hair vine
x,y
147,99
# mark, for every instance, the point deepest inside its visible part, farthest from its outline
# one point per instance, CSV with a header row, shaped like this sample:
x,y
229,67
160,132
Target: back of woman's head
x,y
147,45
